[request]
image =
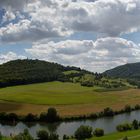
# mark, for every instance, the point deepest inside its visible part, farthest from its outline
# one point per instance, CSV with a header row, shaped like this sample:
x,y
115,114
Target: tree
x,y
108,112
42,135
53,136
52,115
83,132
127,108
99,132
135,124
23,136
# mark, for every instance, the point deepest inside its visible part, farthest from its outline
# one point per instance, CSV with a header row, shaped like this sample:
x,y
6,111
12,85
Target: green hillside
x,y
125,71
131,72
20,72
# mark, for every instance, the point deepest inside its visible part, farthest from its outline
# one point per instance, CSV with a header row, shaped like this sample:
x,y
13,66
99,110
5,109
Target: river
x,y
107,123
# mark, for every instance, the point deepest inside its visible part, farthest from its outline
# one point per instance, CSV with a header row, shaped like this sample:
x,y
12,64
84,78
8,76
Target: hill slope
x,y
129,71
26,71
19,72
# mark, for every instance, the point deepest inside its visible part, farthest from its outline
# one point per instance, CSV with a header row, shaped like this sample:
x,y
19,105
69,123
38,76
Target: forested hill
x,y
129,71
32,71
19,72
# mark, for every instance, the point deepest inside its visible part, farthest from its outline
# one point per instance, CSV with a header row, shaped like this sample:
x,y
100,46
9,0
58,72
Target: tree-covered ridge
x,y
27,71
131,72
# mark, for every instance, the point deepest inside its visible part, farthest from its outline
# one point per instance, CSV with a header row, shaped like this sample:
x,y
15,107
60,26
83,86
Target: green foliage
x,y
23,136
20,72
83,132
108,112
53,136
127,108
42,135
124,127
98,132
135,124
128,71
52,115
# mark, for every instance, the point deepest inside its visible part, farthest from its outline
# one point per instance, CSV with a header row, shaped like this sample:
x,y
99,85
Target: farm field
x,y
67,98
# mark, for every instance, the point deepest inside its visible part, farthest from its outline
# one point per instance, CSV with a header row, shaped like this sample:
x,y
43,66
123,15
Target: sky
x,y
96,35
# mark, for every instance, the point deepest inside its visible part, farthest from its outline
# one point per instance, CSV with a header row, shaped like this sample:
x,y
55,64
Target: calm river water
x,y
68,128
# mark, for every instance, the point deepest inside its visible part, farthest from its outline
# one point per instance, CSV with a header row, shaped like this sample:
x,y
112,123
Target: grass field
x,y
133,135
68,98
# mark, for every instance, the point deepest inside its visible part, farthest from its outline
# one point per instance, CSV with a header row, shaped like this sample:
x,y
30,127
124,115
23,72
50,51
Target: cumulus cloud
x,y
98,56
59,18
10,56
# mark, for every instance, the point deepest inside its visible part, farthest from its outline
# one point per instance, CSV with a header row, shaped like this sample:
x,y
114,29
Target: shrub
x,y
53,136
124,127
127,108
137,107
0,136
83,132
135,124
108,112
30,117
42,135
23,136
65,137
99,132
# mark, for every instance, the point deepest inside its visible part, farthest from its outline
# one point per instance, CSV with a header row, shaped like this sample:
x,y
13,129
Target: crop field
x,y
68,98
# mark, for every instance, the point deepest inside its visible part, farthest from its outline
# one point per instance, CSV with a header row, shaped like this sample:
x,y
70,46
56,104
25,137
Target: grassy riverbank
x,y
133,135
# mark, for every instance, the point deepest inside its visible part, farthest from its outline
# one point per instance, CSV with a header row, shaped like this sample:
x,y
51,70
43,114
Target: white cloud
x,y
100,55
10,56
58,18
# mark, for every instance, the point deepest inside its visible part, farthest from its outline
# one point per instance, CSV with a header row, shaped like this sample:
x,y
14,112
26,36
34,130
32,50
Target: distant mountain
x,y
128,71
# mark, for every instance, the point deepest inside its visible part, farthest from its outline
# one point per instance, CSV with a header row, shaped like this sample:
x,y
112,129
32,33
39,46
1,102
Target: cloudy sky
x,y
92,34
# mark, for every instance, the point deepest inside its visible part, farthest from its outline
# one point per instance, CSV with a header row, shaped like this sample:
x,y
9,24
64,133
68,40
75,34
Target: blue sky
x,y
94,35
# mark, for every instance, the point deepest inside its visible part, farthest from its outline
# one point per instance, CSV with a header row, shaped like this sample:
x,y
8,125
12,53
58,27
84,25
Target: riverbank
x,y
133,135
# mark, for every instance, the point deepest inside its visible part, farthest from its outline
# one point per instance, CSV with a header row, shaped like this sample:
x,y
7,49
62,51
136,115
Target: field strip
x,y
133,137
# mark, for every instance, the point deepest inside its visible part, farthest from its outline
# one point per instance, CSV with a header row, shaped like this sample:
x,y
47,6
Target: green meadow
x,y
67,98
132,135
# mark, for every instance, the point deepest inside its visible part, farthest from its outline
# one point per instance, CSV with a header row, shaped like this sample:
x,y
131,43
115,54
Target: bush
x,y
0,136
42,135
135,124
23,136
137,107
53,136
83,132
127,108
30,117
99,132
108,112
65,137
124,127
